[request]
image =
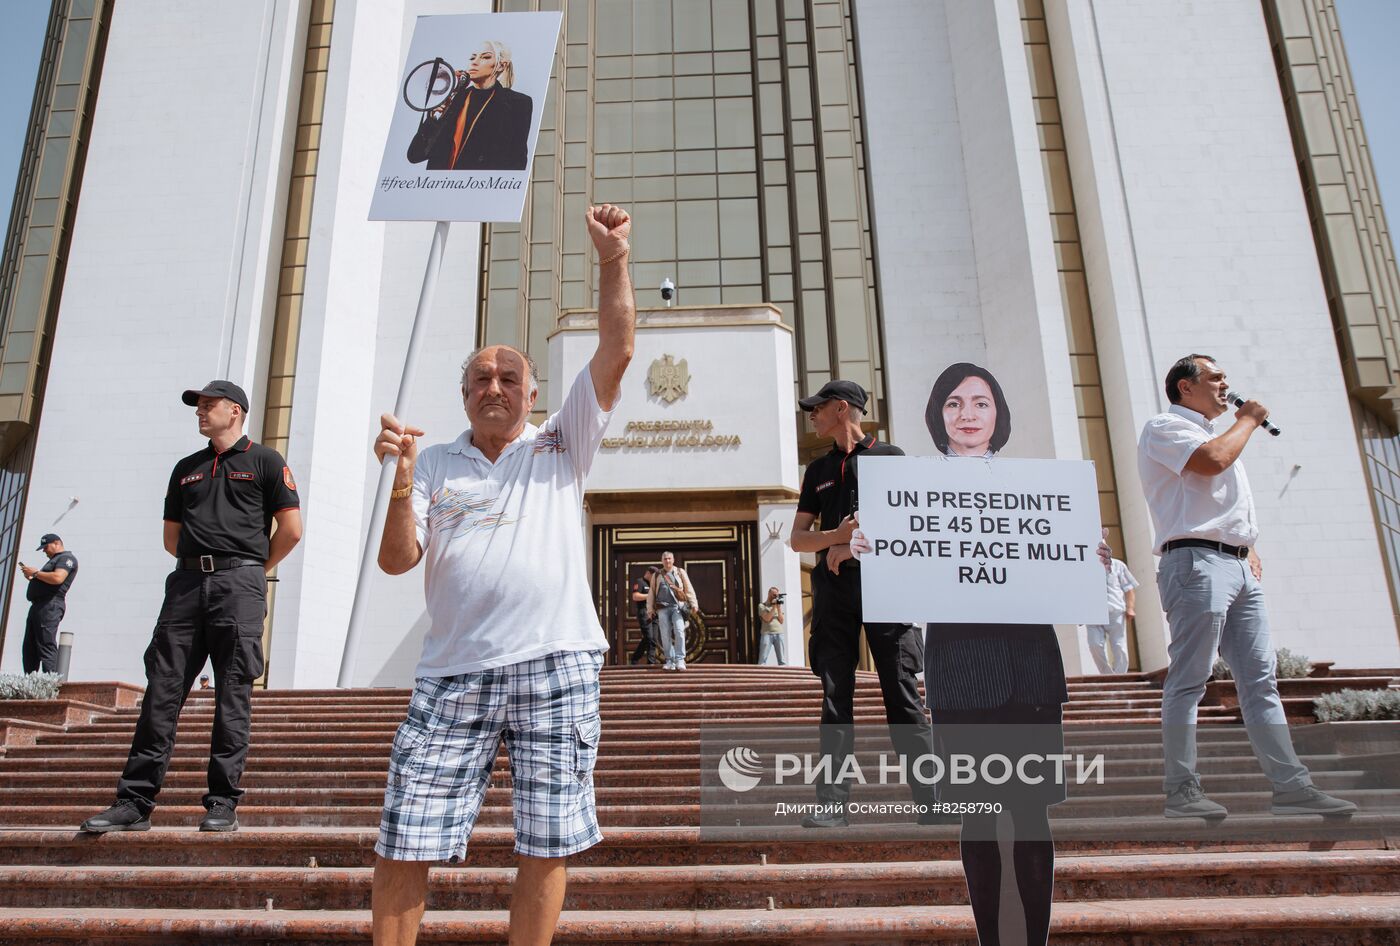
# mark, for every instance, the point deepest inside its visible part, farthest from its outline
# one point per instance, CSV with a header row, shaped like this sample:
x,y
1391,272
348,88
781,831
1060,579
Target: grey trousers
x,y
1213,602
1108,644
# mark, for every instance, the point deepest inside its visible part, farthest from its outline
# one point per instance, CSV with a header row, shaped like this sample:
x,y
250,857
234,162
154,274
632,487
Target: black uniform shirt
x,y
829,486
639,587
43,591
225,502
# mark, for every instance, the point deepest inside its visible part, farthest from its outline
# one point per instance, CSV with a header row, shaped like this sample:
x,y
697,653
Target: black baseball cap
x,y
45,539
217,389
848,391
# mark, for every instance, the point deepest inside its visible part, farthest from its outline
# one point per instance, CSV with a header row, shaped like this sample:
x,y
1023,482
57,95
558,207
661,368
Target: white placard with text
x,y
981,541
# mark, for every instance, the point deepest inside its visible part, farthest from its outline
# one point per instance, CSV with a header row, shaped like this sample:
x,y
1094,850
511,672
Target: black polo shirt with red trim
x,y
225,502
829,486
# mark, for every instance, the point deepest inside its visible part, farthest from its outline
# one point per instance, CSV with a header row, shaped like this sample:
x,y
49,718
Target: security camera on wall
x,y
668,291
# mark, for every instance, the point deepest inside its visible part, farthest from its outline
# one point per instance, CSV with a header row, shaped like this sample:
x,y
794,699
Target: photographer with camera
x,y
772,635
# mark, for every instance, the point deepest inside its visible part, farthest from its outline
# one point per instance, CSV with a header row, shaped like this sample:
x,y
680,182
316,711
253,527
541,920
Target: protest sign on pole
x,y
981,541
466,119
467,109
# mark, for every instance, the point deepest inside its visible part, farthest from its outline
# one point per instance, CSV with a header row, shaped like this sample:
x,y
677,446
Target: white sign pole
x,y
386,472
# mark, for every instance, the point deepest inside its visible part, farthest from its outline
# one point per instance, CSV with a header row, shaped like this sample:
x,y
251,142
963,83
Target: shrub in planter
x,y
1290,665
28,686
1348,705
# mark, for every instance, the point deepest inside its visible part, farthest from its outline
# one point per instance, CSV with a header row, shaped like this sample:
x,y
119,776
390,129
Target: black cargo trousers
x,y
214,615
40,648
833,654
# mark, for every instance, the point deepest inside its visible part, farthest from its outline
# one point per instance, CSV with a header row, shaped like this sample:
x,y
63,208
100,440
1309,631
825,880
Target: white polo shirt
x,y
503,543
1187,505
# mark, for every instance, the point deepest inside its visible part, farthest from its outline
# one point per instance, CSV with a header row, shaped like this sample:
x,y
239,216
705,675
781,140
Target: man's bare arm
x,y
285,537
608,227
806,539
171,537
1215,456
399,550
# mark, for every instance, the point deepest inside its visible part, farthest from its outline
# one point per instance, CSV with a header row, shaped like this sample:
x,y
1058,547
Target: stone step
x,y
187,771
256,811
59,712
659,738
16,733
611,695
625,789
807,712
194,748
711,887
802,710
1316,921
493,846
108,693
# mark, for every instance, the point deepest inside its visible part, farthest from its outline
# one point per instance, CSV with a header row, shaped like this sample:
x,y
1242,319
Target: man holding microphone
x,y
1203,514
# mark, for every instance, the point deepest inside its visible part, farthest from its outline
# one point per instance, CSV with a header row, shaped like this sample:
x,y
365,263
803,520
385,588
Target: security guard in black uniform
x,y
828,502
219,510
645,622
47,594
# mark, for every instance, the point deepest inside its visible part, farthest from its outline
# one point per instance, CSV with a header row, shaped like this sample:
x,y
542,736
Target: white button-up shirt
x,y
1187,505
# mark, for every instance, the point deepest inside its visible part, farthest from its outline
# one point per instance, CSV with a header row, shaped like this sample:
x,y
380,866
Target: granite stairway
x,y
299,870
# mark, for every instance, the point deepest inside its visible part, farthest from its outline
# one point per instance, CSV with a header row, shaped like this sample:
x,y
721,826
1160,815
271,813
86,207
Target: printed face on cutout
x,y
482,67
970,417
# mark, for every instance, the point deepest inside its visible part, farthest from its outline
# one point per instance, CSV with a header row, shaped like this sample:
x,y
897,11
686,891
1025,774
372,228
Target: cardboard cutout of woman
x,y
995,689
484,125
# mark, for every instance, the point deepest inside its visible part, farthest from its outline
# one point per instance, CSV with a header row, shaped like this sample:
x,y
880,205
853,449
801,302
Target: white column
x,y
175,252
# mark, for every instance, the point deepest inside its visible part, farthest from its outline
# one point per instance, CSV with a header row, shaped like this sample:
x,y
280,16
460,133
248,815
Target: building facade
x,y
1073,193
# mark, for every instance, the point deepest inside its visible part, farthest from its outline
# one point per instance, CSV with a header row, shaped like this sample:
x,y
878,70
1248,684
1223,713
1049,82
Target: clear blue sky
x,y
22,25
1370,29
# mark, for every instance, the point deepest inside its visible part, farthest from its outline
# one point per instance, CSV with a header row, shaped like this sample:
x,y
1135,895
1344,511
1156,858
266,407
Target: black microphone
x,y
1235,398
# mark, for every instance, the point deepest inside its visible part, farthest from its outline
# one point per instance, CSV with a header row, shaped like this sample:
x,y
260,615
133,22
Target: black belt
x,y
1238,551
213,563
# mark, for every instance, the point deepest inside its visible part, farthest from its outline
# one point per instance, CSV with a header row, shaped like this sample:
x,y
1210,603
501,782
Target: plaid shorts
x,y
439,768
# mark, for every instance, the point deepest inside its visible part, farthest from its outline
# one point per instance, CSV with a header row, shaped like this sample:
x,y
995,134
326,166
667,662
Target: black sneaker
x,y
825,821
221,817
125,815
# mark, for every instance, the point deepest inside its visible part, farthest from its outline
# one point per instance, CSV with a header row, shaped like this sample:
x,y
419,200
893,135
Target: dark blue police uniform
x,y
215,603
47,606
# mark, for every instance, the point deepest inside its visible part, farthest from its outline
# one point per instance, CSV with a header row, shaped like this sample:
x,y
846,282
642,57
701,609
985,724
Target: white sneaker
x,y
669,665
680,664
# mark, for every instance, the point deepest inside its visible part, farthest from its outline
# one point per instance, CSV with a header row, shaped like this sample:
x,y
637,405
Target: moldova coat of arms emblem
x,y
668,379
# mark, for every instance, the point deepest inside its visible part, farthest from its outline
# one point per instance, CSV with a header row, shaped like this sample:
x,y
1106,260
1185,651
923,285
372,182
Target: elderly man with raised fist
x,y
514,648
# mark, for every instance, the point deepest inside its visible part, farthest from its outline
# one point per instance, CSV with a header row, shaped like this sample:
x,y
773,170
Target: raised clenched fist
x,y
608,228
